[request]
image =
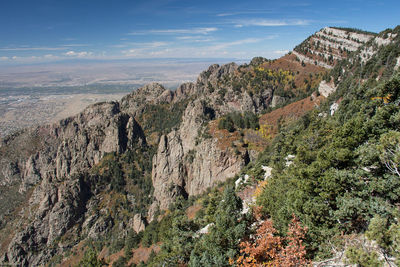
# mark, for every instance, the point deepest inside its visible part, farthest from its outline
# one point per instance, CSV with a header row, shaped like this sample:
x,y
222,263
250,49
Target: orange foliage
x,y
265,248
294,253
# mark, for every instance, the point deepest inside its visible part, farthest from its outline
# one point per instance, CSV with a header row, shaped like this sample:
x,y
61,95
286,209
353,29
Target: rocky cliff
x,y
51,174
46,163
330,45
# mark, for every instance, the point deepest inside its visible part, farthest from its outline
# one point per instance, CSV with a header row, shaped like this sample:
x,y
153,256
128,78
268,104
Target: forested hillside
x,y
334,187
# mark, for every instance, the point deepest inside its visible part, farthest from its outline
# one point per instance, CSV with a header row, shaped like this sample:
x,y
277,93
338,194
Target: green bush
x,y
90,259
120,262
235,121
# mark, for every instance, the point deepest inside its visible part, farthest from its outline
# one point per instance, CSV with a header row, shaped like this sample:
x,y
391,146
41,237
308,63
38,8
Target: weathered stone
x,y
326,89
138,223
277,100
66,149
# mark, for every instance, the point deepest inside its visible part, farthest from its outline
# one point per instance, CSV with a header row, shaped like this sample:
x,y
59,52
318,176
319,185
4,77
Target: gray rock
x,y
58,201
277,100
138,223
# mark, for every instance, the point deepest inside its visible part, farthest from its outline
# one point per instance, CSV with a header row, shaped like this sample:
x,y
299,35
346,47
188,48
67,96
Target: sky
x,y
42,31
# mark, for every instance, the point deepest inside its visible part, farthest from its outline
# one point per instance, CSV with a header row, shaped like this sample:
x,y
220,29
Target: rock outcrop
x,y
326,88
329,45
60,195
187,164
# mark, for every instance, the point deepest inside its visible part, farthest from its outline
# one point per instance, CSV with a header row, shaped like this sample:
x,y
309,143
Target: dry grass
x,y
192,211
77,254
224,137
290,112
289,62
142,254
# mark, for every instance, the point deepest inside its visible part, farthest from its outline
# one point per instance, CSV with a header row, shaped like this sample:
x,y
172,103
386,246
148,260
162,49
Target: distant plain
x,y
38,94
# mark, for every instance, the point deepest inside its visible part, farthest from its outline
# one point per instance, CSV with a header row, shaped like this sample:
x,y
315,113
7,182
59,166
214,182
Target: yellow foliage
x,y
260,187
265,131
386,99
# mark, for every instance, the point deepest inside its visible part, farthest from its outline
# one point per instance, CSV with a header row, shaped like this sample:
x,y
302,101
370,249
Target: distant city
x,y
37,94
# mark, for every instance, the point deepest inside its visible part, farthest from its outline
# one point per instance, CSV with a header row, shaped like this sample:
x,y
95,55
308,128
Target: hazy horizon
x,y
169,72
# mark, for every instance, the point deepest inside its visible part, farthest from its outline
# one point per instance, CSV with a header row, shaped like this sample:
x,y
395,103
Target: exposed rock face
x,y
329,45
397,63
311,60
168,175
210,166
138,223
368,51
59,199
81,143
184,91
209,87
342,38
174,174
153,93
185,163
277,100
326,89
216,72
60,206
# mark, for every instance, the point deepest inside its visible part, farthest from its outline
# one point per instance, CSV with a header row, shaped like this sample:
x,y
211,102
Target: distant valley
x,y
37,94
94,74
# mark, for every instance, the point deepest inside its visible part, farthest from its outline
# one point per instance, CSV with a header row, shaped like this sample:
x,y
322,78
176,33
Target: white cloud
x,y
77,54
50,56
75,45
189,37
41,48
225,45
203,31
217,49
194,39
227,14
134,53
142,45
119,45
32,59
281,52
160,53
31,48
270,23
151,49
156,44
183,47
25,59
4,58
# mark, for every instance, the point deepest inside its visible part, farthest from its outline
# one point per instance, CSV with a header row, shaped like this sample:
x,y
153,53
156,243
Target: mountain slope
x,y
330,45
96,179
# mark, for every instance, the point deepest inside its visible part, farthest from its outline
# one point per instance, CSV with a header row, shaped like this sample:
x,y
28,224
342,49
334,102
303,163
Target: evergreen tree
x,y
221,243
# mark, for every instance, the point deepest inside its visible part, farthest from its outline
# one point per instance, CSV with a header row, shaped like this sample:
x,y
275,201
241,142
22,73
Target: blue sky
x,y
37,31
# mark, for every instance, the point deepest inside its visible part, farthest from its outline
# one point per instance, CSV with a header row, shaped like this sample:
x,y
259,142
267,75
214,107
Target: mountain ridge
x,y
68,168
